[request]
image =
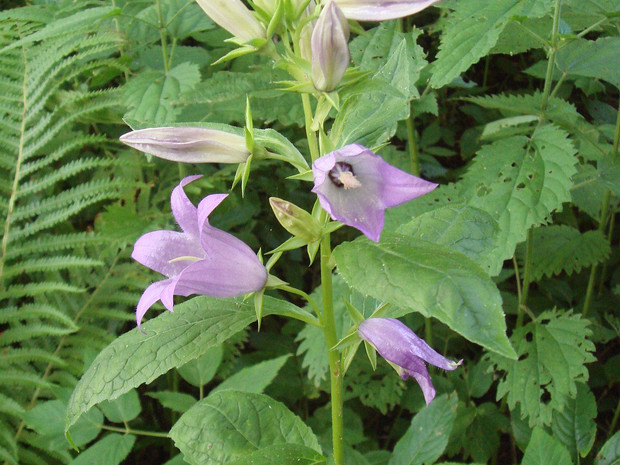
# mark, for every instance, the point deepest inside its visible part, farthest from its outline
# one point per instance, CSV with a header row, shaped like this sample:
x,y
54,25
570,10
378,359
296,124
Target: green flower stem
x,y
312,142
335,363
413,144
137,432
293,290
614,420
162,36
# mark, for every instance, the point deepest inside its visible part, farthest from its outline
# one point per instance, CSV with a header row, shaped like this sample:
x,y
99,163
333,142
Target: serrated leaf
x,y
464,229
172,340
448,285
111,450
610,452
545,450
567,250
122,409
228,425
427,436
177,401
255,378
575,426
472,31
201,370
597,59
282,454
553,352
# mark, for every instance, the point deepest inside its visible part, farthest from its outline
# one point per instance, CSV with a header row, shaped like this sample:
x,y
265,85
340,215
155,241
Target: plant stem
x,y
413,144
162,36
614,420
137,432
551,63
335,363
312,142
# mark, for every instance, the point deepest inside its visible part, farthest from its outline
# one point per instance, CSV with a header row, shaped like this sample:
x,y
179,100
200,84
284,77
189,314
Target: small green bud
x,y
296,220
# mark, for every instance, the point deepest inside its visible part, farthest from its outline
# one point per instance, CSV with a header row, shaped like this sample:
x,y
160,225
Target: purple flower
x,y
355,186
381,10
330,48
200,260
405,351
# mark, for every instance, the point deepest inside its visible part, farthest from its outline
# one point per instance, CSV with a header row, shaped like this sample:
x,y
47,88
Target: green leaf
x,y
282,454
153,95
448,285
122,409
597,59
255,378
574,426
111,450
172,340
552,353
472,31
201,370
427,436
567,250
545,450
229,425
177,401
610,452
464,229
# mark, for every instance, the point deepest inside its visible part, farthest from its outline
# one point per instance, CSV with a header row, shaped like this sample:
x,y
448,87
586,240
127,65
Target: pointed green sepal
x,y
246,174
350,339
372,354
348,354
275,19
290,244
258,306
313,248
305,176
354,313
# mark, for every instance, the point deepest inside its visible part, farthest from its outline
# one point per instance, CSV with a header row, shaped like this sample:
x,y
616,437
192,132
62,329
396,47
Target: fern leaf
x,y
10,406
20,334
20,378
30,312
50,264
35,289
13,356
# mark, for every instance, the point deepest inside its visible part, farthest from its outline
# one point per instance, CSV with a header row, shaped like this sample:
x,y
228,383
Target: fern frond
x,y
16,356
30,312
10,406
50,264
35,289
32,331
20,378
55,244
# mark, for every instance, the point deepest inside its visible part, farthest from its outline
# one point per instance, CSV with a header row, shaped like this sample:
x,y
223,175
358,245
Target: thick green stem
x,y
335,364
162,36
137,432
551,63
312,142
413,144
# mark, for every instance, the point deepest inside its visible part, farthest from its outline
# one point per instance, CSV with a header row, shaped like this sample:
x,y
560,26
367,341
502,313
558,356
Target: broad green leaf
x,y
427,436
180,18
282,454
111,450
464,229
545,450
229,425
255,378
553,352
171,340
370,118
430,279
472,31
122,409
610,452
574,426
597,59
153,95
564,249
177,401
201,370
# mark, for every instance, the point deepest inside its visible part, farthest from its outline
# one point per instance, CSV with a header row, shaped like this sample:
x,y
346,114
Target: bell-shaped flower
x,y
382,10
188,144
233,16
199,260
405,351
330,48
355,186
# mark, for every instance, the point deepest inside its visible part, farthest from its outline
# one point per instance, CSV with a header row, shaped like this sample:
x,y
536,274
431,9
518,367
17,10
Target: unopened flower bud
x,y
189,144
296,220
268,6
381,10
330,48
233,16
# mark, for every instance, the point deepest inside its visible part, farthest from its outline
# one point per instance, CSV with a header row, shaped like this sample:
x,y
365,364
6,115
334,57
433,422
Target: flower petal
x,y
183,209
205,207
150,295
424,380
157,249
382,10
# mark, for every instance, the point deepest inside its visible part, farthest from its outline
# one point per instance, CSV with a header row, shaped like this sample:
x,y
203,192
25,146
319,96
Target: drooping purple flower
x,y
330,48
355,186
382,10
199,260
405,351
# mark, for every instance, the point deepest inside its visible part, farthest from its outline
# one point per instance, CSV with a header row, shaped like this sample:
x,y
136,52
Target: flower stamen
x,y
187,258
342,175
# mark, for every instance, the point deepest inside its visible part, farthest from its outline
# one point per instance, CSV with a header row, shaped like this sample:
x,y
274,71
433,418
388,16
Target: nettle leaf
x,y
122,409
448,285
610,453
472,32
255,378
567,250
282,454
171,340
574,426
545,450
229,425
153,95
597,59
462,228
111,450
427,436
553,351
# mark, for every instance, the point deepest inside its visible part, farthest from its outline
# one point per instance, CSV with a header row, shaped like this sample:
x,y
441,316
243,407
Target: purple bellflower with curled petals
x,y
382,10
355,186
199,260
405,351
330,48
